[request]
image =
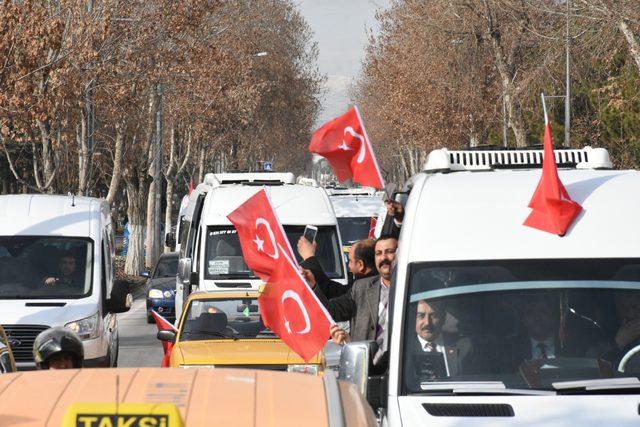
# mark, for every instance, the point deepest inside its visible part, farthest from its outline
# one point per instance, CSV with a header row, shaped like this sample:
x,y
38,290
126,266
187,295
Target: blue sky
x,y
340,28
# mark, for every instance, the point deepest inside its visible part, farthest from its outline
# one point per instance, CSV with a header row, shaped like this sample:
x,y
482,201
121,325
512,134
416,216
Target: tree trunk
x,y
117,163
634,46
48,166
201,164
83,155
514,111
151,204
134,263
167,212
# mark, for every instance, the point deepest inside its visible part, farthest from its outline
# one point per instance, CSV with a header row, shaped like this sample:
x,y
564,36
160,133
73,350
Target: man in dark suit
x,y
430,338
549,334
365,305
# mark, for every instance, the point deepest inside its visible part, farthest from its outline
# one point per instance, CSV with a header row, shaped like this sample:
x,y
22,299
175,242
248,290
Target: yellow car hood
x,y
239,352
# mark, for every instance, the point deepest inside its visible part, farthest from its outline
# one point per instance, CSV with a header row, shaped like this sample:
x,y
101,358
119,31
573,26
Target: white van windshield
x,y
223,255
523,324
36,267
353,229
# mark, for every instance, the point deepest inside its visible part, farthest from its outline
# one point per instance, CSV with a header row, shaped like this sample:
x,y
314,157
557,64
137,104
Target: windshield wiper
x,y
212,333
476,388
597,385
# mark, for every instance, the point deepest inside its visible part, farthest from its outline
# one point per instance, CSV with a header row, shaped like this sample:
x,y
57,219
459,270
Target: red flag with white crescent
x,y
167,347
260,233
292,311
343,141
553,210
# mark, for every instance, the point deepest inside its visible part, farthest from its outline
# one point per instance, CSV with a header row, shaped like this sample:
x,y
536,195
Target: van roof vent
x,y
259,178
443,160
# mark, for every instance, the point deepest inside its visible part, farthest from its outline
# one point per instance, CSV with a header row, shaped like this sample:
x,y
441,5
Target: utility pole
x,y
157,180
567,99
505,134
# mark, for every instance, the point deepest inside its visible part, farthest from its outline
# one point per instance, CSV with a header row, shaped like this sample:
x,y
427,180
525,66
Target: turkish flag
x,y
372,228
292,311
260,233
344,143
553,209
167,347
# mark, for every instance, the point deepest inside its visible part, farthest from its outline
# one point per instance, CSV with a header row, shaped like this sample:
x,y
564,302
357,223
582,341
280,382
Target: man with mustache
x,y
430,318
365,306
361,265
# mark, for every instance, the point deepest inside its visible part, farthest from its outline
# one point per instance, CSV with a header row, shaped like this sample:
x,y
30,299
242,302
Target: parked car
x,y
161,287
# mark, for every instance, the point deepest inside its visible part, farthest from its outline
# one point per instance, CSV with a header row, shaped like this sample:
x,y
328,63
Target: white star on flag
x,y
259,243
344,146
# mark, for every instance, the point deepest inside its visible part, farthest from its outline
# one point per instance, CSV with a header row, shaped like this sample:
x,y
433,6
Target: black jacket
x,y
330,288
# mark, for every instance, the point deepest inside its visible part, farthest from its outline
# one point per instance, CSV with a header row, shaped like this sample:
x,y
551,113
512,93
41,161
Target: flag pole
x,y
544,107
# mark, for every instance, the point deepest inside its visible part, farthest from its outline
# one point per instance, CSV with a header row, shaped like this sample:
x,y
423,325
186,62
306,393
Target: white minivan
x,y
211,257
357,210
496,323
56,269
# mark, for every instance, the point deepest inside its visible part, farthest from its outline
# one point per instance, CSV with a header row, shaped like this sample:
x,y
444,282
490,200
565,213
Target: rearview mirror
x,y
184,271
167,335
170,240
253,308
356,366
120,299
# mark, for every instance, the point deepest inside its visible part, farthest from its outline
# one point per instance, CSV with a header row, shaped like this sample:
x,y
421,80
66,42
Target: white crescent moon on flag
x,y
349,130
265,224
289,294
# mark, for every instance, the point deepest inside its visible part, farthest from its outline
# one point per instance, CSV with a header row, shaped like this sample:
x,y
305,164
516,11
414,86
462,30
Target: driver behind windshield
x,y
66,274
627,304
550,332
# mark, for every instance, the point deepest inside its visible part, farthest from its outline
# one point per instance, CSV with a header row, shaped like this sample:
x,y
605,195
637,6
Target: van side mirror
x,y
120,299
170,240
184,271
356,366
167,335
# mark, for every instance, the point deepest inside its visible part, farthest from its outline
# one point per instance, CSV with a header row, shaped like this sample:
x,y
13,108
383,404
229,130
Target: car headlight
x,y
197,366
86,328
155,293
167,294
304,369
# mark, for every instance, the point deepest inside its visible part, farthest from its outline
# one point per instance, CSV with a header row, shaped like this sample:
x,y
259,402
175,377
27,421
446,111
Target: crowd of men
x,y
364,302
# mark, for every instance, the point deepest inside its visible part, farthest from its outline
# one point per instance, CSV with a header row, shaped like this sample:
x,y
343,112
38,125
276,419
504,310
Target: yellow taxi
x,y
225,329
157,397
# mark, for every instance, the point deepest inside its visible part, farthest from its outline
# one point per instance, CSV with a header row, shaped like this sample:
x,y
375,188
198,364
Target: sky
x,y
340,28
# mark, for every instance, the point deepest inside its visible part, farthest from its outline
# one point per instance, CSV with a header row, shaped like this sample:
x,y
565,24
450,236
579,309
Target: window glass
x,y
45,267
223,318
223,254
524,323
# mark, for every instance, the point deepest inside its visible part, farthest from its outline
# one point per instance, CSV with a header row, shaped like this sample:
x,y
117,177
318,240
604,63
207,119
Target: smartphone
x,y
310,232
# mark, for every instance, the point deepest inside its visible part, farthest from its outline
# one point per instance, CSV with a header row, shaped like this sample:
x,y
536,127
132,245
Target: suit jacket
x,y
359,306
458,351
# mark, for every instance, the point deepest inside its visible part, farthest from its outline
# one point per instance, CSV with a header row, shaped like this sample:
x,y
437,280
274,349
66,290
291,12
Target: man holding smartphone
x,y
361,265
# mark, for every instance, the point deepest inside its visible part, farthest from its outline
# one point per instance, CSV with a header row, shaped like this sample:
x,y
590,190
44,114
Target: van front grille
x,y
21,339
469,409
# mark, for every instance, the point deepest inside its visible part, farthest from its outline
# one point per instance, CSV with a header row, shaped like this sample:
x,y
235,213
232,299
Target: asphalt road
x,y
138,343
